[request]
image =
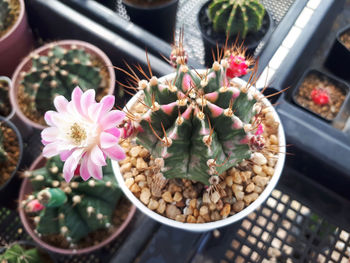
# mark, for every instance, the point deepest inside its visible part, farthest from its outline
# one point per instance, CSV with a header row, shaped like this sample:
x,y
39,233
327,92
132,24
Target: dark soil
x,y
5,105
337,95
146,3
345,39
11,146
120,214
206,27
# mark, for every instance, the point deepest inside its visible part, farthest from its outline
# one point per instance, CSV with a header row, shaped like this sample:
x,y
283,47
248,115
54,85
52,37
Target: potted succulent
x,y
75,217
156,16
203,148
56,69
6,110
24,252
338,59
321,94
16,39
11,149
224,21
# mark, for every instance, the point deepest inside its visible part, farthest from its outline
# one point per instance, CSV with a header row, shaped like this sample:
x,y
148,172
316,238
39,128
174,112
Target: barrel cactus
x,y
72,209
58,73
234,17
198,125
15,253
8,15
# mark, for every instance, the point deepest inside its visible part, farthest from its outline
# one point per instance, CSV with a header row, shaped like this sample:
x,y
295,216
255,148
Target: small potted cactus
x,y
156,16
338,59
226,21
6,109
203,147
24,252
56,69
11,149
16,39
71,217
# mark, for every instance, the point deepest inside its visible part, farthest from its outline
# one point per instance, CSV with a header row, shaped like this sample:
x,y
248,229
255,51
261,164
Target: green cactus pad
x,y
203,119
234,17
73,209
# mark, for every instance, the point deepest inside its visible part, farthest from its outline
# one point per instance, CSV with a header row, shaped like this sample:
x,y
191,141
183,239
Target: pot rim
x,y
16,75
147,8
20,144
201,227
17,23
64,251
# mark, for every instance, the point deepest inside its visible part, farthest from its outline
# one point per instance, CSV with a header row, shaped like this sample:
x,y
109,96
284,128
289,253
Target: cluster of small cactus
x,y
198,125
72,209
58,73
15,253
234,17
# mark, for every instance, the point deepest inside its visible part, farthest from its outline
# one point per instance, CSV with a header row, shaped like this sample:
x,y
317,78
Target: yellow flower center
x,y
77,133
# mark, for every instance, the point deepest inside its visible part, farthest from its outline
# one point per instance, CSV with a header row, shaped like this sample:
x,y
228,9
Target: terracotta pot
x,y
16,43
26,65
160,19
202,227
26,189
9,190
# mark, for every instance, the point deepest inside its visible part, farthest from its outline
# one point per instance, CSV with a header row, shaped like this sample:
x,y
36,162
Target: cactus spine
x,y
58,73
15,253
72,209
236,16
197,125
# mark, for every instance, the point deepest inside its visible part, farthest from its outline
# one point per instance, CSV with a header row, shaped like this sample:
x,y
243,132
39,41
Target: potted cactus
x,y
5,105
75,217
24,252
56,69
226,21
11,149
156,16
203,148
16,39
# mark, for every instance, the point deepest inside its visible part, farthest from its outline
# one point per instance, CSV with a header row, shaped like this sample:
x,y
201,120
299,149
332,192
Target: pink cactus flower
x,y
34,206
238,67
83,132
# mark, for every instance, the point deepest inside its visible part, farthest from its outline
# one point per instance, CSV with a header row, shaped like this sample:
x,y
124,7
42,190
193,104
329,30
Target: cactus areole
x,y
198,125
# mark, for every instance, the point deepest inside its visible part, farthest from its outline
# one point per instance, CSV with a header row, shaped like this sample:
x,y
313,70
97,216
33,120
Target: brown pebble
x,y
238,206
172,211
226,210
167,197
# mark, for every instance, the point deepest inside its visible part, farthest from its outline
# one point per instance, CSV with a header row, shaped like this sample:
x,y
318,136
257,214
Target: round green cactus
x,y
235,17
72,209
58,73
197,125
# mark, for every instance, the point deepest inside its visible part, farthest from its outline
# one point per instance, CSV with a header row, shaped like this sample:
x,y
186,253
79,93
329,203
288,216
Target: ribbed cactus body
x,y
58,73
72,209
195,124
15,253
234,17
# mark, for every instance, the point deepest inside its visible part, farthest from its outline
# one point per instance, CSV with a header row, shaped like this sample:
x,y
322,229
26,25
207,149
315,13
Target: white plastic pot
x,y
201,227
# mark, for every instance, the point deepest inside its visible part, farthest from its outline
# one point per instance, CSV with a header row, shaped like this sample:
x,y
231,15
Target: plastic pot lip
x,y
345,87
20,143
202,227
37,163
147,8
12,113
16,75
342,31
214,43
18,22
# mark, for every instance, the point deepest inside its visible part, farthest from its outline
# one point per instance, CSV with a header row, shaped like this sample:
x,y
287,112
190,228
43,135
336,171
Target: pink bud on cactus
x,y
34,206
238,66
320,96
259,130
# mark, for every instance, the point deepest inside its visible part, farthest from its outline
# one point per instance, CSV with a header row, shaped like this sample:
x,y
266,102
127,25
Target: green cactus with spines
x,y
72,209
195,124
58,73
234,17
15,253
3,154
